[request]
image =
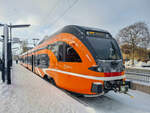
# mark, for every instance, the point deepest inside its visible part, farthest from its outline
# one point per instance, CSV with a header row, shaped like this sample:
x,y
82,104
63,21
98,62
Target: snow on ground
x,y
31,94
138,65
120,103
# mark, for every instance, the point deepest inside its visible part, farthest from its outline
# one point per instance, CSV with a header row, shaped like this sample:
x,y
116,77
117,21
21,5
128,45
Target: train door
x,y
32,63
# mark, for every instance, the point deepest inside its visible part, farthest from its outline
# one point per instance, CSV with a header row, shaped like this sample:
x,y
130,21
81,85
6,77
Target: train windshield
x,y
105,48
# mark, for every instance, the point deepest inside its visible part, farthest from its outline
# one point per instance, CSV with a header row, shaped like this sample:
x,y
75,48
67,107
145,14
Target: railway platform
x,y
29,93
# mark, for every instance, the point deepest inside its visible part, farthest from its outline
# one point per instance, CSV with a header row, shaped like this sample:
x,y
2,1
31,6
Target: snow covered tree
x,y
135,35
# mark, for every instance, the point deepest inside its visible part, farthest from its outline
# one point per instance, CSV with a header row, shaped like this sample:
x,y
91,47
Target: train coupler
x,y
125,86
123,89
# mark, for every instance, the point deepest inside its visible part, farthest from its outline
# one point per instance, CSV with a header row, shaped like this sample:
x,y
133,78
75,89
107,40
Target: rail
x,y
143,77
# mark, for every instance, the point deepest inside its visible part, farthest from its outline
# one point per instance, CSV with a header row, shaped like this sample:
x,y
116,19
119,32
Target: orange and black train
x,y
79,59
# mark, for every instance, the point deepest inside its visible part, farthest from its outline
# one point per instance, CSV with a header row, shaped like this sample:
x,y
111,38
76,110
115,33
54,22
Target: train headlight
x,y
99,69
96,68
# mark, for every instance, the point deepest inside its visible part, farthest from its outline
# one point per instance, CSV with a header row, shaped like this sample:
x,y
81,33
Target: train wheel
x,y
52,81
76,94
49,79
45,77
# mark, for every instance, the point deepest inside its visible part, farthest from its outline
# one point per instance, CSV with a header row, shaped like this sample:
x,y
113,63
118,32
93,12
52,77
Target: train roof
x,y
78,31
74,29
88,28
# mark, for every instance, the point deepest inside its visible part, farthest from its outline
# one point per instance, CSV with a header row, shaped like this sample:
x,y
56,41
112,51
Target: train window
x,y
64,52
71,55
26,60
54,49
38,60
42,61
23,60
35,63
61,51
30,60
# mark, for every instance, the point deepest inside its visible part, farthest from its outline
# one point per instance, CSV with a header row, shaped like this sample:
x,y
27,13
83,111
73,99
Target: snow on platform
x,y
31,94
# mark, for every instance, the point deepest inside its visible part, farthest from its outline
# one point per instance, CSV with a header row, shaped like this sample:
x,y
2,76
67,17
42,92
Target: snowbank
x,y
137,64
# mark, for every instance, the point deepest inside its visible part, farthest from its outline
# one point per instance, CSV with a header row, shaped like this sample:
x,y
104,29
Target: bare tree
x,y
135,35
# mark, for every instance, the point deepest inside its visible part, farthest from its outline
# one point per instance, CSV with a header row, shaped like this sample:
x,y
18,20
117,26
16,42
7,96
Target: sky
x,y
47,16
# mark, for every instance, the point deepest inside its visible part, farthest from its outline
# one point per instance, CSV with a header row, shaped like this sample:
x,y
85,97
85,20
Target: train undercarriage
x,y
114,85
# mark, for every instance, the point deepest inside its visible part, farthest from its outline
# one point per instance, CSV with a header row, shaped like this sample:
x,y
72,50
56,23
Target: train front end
x,y
109,61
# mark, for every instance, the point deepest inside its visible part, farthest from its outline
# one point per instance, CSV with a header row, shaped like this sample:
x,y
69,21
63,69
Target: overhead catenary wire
x,y
33,34
52,11
63,14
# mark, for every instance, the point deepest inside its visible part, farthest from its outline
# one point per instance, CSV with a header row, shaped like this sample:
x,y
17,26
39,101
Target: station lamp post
x,y
7,50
